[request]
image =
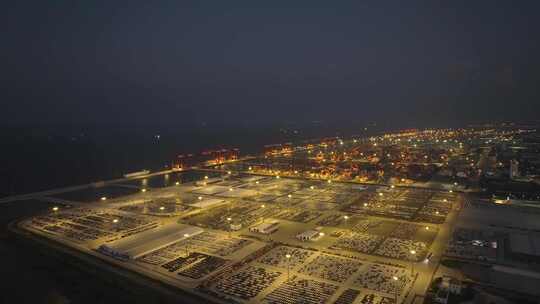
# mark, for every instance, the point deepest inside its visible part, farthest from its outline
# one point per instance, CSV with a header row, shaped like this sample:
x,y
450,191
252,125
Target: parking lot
x,y
289,275
358,239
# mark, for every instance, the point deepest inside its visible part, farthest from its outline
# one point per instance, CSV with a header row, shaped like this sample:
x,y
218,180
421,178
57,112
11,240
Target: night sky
x,y
269,61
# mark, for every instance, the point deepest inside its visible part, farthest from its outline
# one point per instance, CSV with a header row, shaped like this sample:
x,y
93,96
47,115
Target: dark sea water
x,y
34,158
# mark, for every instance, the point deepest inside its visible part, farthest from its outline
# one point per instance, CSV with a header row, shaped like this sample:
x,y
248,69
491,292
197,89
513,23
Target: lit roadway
x,y
427,271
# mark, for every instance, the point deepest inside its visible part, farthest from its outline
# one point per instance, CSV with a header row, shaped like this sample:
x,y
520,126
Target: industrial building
x,y
137,245
308,235
265,228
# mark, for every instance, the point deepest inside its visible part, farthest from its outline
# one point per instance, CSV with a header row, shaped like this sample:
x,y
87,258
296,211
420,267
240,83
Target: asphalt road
x,y
427,271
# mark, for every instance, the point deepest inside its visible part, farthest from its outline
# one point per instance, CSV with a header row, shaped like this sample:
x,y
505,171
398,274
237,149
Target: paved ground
x,y
288,229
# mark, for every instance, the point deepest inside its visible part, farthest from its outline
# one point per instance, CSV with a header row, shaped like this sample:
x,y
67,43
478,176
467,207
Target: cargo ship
x,y
135,174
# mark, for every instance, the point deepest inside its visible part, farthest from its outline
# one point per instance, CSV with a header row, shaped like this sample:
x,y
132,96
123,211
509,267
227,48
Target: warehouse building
x,y
137,245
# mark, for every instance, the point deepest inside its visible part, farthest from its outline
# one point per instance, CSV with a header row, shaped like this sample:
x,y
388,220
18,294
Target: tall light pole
x,y
262,207
187,244
229,222
288,256
413,254
257,189
396,287
290,202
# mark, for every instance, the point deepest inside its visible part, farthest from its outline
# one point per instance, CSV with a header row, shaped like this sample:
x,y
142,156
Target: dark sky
x,y
229,61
